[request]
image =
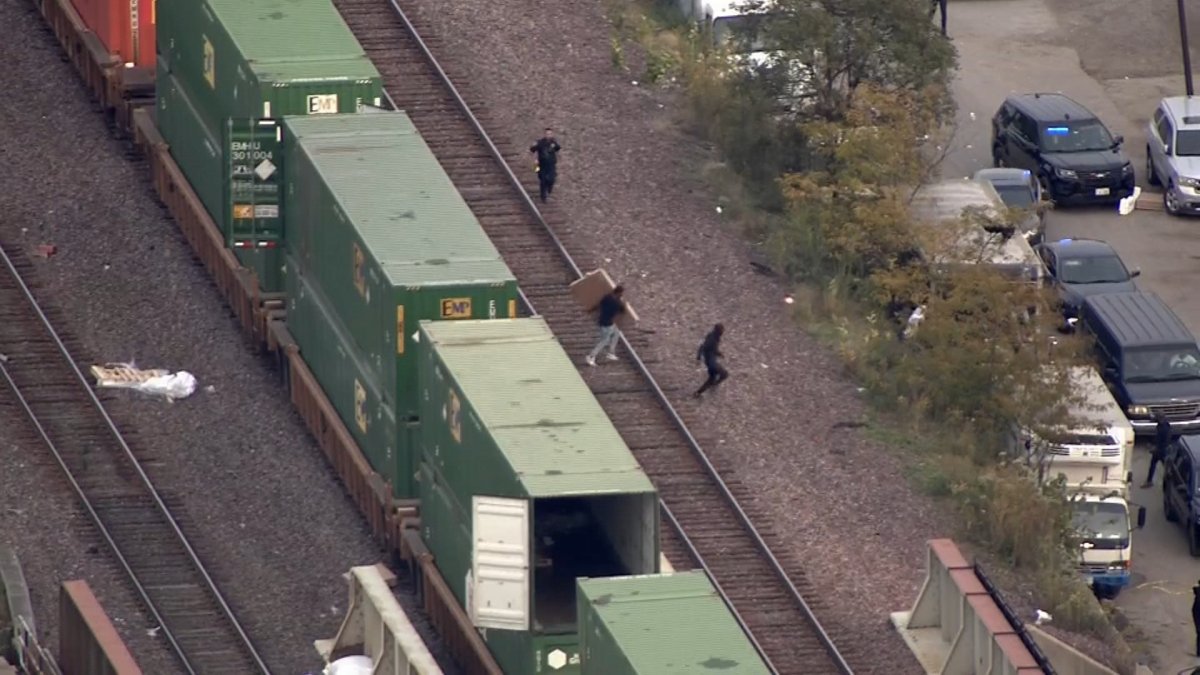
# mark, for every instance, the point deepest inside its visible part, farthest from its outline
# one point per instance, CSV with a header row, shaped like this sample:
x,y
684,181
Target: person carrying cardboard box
x,y
611,306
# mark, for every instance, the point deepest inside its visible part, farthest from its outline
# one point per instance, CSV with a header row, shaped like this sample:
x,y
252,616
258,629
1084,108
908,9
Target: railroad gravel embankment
x,y
257,498
628,184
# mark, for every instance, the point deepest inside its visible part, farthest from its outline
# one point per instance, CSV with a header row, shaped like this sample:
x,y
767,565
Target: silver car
x,y
1173,153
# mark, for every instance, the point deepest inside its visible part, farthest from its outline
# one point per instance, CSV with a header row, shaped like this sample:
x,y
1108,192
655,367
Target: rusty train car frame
x,y
126,97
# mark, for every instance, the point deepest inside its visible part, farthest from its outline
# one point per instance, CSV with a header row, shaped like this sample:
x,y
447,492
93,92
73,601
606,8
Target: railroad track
x,y
146,540
711,527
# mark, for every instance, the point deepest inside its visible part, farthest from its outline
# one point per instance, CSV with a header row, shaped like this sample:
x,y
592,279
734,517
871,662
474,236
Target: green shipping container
x,y
193,145
254,230
525,486
663,623
349,385
374,220
266,58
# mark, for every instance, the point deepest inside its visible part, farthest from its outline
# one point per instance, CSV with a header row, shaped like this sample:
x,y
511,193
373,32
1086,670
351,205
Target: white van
x,y
947,202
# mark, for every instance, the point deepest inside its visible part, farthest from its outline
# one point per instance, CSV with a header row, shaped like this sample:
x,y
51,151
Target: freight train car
x,y
525,485
378,239
223,65
662,623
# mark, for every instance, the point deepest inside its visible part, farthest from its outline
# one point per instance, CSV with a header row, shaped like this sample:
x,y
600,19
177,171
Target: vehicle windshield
x,y
1152,365
1015,196
739,31
1100,520
1078,137
1187,143
1099,270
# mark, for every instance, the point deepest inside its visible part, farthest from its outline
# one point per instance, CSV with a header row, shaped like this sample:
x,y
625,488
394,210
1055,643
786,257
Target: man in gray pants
x,y
611,306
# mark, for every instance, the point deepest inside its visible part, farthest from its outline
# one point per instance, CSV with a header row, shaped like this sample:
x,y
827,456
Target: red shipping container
x,y
126,27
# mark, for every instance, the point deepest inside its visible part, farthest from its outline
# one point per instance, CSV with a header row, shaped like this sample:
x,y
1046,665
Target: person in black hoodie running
x,y
546,149
710,352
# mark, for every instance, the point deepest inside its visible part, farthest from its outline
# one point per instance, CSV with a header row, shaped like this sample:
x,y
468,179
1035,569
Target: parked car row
x,y
1148,358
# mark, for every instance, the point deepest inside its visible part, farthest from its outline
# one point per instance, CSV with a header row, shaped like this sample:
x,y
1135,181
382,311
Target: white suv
x,y
1173,153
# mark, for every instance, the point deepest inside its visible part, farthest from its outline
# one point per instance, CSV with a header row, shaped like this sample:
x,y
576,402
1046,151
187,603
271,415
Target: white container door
x,y
500,563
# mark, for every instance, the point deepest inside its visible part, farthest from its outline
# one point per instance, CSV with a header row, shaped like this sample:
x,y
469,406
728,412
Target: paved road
x,y
1008,46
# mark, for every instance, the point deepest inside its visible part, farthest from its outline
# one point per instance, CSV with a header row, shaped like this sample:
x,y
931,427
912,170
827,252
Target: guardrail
x,y
958,627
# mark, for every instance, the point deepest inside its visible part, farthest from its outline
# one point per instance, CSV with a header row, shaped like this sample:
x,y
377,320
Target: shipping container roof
x,y
283,39
394,192
671,623
541,414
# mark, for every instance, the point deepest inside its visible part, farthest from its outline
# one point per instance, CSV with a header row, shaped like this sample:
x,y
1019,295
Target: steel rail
x,y
743,517
145,480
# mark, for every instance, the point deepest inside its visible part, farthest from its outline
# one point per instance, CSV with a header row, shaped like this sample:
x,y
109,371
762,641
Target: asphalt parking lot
x,y
1015,46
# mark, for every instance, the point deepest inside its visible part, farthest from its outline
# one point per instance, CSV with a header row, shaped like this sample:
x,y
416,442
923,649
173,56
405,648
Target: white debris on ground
x,y
156,382
351,665
1126,206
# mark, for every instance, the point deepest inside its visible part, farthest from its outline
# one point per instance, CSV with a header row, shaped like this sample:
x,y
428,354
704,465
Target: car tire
x,y
1169,202
1151,177
1193,540
1169,512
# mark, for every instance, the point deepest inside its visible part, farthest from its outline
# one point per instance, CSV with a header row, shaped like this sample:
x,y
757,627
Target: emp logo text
x,y
456,308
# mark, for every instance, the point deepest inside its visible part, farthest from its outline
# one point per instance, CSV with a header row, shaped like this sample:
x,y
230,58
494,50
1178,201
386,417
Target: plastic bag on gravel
x,y
351,665
172,386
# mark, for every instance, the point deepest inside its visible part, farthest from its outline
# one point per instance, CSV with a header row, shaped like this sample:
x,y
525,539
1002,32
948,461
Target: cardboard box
x,y
592,288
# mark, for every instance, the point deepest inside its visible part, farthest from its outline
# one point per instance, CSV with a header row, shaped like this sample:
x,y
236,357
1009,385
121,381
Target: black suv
x,y
1148,358
1180,500
1067,147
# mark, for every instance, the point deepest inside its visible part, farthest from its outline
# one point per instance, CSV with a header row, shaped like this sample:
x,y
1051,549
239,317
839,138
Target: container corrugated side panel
x,y
193,145
306,87
659,621
446,530
521,391
380,219
353,392
447,428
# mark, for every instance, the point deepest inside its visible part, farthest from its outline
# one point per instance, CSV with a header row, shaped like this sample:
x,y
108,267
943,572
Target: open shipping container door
x,y
499,588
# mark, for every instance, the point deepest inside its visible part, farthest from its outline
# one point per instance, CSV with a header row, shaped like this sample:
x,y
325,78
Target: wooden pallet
x,y
117,375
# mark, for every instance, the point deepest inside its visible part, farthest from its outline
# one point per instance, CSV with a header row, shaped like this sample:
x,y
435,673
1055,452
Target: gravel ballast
x,y
254,493
629,187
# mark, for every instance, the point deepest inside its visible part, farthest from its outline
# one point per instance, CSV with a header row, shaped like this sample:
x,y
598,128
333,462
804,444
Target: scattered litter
x,y
972,115
107,267
1126,206
24,230
789,299
720,210
914,320
156,382
3,358
351,665
209,389
969,146
608,260
765,366
1042,617
634,83
153,632
46,250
